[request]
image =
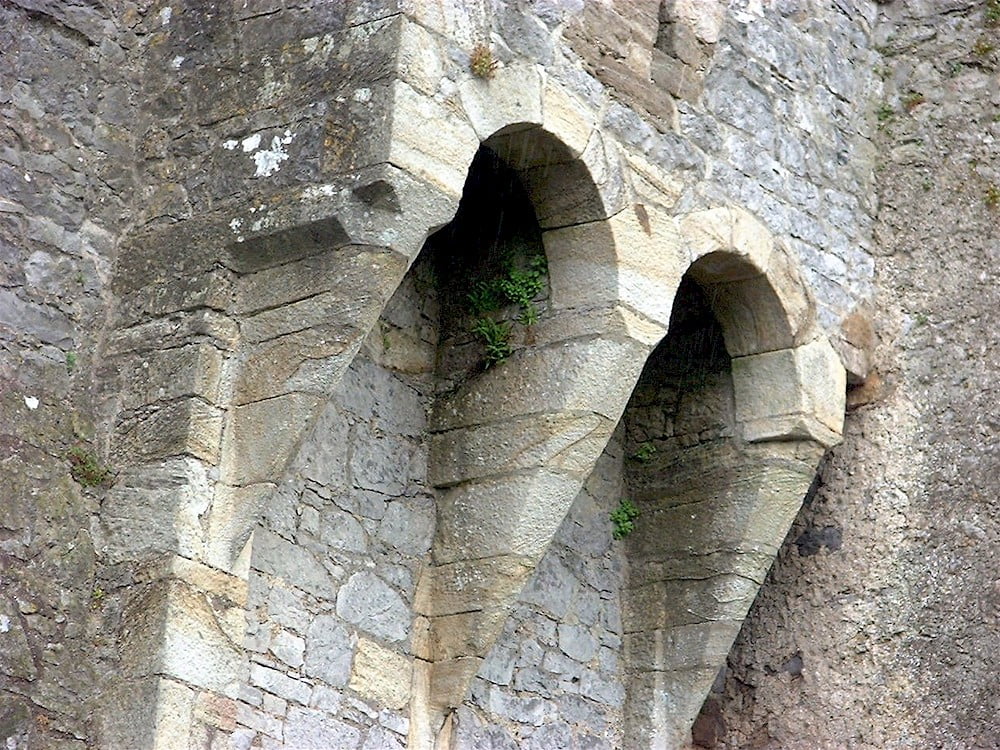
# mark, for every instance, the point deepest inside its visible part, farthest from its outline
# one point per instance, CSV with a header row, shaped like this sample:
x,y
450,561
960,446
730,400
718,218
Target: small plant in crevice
x,y
97,597
645,452
913,100
496,338
71,359
481,61
884,113
992,14
517,284
982,48
85,468
992,196
623,519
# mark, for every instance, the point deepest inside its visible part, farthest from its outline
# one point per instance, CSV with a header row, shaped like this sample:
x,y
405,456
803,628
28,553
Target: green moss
x,y
85,468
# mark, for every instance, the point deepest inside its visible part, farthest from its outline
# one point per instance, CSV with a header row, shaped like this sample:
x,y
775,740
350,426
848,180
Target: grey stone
x,y
307,729
408,525
366,601
577,642
279,557
341,531
380,738
329,651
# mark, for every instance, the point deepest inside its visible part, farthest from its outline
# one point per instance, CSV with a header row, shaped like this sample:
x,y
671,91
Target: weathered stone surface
x,y
512,95
811,408
381,675
254,452
368,602
330,651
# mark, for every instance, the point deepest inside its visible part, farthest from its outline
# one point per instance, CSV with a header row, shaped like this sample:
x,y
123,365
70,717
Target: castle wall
x,y
875,627
141,143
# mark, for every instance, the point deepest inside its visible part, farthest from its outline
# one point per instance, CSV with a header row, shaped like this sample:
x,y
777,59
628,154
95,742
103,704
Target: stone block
x,y
577,642
212,289
651,184
583,375
189,426
682,648
450,680
472,633
288,648
280,684
234,513
544,440
408,525
666,604
514,514
471,585
277,556
511,97
157,508
650,260
419,61
178,330
200,646
791,394
261,436
567,191
661,706
166,375
315,730
428,140
370,603
566,117
175,713
381,675
329,650
680,78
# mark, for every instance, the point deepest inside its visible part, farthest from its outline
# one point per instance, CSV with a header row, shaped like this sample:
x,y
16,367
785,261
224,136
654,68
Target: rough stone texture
x,y
877,626
203,211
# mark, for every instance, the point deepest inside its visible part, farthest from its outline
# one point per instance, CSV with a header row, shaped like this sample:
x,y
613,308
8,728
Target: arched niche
x,y
724,431
511,443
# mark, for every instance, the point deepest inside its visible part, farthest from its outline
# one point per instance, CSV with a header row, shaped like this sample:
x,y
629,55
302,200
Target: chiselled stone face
x,y
338,365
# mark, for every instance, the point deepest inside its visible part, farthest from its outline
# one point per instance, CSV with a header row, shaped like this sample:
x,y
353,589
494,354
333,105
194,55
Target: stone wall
x,y
218,514
878,623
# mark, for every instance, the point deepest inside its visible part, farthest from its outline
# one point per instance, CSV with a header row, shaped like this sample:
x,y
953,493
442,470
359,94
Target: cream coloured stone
x,y
566,117
230,522
511,97
582,268
595,375
650,260
419,61
791,393
470,585
551,440
470,633
189,426
381,675
513,514
175,705
746,244
450,680
196,647
429,141
462,21
261,436
613,320
704,17
650,184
